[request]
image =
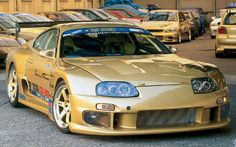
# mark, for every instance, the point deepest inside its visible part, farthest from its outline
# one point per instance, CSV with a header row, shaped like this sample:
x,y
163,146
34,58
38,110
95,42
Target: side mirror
x,y
173,49
47,53
213,17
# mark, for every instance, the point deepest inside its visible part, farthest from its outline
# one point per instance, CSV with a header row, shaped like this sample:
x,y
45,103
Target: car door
x,y
39,67
184,23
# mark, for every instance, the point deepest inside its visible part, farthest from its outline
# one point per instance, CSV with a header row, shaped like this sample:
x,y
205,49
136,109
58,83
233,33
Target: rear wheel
x,y
62,107
12,87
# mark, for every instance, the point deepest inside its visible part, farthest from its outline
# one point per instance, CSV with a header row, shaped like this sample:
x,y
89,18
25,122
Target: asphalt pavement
x,y
23,127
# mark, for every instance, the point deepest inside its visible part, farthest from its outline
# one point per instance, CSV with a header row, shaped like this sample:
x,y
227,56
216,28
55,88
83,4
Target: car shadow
x,y
159,137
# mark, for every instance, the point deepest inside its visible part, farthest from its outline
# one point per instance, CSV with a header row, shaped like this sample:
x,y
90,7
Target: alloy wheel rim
x,y
12,85
62,107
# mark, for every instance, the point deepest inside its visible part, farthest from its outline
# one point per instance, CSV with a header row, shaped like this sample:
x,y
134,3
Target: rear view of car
x,y
226,35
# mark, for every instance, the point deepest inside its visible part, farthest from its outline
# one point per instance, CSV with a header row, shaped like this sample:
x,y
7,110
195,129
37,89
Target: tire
x,y
213,37
189,35
219,55
13,87
179,38
61,107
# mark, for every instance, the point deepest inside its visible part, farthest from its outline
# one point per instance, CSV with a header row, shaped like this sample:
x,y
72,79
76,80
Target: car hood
x,y
147,70
158,24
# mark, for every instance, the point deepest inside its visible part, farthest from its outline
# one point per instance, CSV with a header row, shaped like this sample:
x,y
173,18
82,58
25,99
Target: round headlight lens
x,y
203,85
116,89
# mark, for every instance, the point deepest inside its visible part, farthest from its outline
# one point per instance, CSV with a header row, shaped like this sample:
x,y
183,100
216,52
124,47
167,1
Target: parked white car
x,y
214,26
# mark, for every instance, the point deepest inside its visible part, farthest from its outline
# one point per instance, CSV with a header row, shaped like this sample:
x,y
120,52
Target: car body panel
x,y
160,80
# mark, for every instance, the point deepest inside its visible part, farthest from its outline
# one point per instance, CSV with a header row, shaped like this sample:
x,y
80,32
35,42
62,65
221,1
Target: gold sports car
x,y
114,78
168,25
226,35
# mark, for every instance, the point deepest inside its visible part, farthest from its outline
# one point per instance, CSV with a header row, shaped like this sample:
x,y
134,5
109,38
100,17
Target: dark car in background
x,y
202,18
193,21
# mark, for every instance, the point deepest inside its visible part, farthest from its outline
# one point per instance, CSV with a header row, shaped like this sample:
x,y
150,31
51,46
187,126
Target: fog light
x,y
221,100
105,107
101,119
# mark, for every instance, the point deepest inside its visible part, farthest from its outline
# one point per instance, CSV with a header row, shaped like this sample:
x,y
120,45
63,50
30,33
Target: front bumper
x,y
167,37
123,121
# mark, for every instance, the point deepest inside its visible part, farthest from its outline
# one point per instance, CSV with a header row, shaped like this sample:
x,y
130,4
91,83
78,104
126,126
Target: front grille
x,y
156,30
161,118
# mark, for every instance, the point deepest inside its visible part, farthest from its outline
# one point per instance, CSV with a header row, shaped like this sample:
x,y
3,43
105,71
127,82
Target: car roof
x,y
165,10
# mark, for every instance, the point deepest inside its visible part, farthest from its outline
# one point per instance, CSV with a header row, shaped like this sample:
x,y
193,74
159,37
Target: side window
x,y
183,16
180,17
47,40
52,41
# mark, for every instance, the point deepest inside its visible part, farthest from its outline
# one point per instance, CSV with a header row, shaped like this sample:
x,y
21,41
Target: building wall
x,y
34,6
212,6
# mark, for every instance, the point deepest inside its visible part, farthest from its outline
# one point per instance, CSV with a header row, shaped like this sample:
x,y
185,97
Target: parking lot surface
x,y
27,127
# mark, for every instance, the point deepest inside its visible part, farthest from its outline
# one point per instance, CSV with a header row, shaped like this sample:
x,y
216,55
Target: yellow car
x,y
226,35
114,78
168,25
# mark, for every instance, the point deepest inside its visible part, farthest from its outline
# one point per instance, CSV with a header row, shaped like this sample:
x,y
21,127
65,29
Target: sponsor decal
x,y
43,94
116,30
50,104
40,92
21,96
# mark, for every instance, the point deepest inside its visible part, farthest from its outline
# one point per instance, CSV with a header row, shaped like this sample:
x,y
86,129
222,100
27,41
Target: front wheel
x,y
179,38
189,35
12,87
62,107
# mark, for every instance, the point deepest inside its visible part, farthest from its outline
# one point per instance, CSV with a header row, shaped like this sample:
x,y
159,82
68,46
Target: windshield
x,y
162,16
26,17
6,22
187,15
93,42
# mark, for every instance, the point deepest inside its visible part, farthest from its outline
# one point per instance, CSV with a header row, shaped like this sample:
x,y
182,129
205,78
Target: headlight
x,y
203,85
116,89
171,30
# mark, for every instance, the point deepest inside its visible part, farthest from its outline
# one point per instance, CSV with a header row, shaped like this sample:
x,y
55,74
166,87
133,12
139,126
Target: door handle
x,y
30,61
